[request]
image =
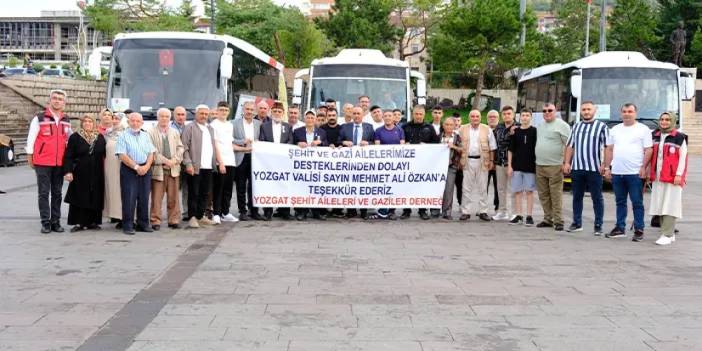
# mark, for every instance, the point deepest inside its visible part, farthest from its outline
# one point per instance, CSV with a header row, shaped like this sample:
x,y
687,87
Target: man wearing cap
x,y
46,144
278,132
136,151
201,156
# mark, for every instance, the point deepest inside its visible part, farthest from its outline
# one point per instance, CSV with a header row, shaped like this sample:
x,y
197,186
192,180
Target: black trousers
x,y
199,186
136,191
49,182
244,189
459,185
222,190
493,175
283,211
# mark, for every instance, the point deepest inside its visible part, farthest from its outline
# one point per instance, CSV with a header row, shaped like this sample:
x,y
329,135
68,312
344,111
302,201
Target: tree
x,y
303,44
113,16
570,30
361,24
694,55
481,37
416,19
633,24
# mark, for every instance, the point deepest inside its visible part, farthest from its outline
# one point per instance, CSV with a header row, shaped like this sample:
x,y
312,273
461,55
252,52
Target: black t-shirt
x,y
523,147
332,134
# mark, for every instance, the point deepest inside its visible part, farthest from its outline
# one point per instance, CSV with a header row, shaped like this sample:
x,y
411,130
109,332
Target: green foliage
x,y
38,67
670,13
361,24
570,32
694,55
303,44
13,61
115,16
632,24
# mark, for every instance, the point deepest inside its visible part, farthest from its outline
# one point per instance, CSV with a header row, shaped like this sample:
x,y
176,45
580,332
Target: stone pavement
x,y
346,285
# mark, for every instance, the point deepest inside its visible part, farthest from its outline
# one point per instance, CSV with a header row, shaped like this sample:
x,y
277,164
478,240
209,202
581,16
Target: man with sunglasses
x,y
551,139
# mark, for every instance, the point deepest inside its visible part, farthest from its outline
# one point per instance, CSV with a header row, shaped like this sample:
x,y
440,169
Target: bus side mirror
x,y
297,92
687,87
576,84
226,63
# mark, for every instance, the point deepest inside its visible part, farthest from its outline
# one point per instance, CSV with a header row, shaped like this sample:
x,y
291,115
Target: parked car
x,y
57,72
18,71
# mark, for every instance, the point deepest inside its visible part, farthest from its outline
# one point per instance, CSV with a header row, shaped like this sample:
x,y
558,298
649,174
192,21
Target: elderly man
x,y
356,133
294,117
135,150
263,108
478,149
201,157
246,130
418,132
180,115
46,144
348,114
278,132
165,175
493,121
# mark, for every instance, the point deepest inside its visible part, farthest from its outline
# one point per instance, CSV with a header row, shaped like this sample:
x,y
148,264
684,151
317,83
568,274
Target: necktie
x,y
355,135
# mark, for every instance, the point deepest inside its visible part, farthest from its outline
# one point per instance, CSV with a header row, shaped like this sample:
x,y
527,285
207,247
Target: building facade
x,y
51,37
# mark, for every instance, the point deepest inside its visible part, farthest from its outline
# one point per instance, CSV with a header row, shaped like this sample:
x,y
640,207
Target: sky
x,y
30,8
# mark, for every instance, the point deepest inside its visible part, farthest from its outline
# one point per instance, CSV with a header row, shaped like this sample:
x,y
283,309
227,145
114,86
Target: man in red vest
x,y
46,143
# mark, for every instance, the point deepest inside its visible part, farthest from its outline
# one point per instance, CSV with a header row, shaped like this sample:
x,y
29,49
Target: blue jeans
x,y
591,181
629,185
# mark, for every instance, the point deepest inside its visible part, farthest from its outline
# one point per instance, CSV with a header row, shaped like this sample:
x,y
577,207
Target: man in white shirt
x,y
364,103
376,117
223,183
294,117
201,157
478,149
246,130
437,113
278,132
629,149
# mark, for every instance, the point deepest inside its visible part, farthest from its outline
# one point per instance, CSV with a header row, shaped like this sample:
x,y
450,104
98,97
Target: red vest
x,y
671,156
51,140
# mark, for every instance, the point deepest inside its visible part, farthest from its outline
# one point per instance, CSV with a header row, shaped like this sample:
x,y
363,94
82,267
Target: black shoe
x,y
575,228
558,227
392,217
516,220
77,228
268,217
286,217
46,228
244,217
597,231
616,233
529,221
257,217
484,217
300,217
544,224
174,226
143,229
156,227
464,217
320,217
638,235
57,228
405,215
94,227
447,217
424,216
128,231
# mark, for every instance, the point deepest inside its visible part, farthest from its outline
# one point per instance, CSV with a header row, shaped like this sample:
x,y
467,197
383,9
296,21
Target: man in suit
x,y
356,133
262,115
310,136
279,132
246,130
165,170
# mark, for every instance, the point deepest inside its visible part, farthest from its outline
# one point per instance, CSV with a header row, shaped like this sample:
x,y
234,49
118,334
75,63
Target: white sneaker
x,y
664,240
229,218
672,238
500,216
192,223
216,219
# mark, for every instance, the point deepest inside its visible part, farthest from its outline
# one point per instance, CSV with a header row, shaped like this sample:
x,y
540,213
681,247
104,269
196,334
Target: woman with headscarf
x,y
113,200
105,123
668,169
83,166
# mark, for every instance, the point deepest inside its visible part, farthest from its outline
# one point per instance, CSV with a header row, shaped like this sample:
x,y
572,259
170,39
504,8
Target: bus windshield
x,y
152,73
386,93
652,90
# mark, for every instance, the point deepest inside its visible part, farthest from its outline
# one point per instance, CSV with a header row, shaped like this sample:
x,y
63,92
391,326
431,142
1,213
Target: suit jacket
x,y
176,152
346,133
300,136
240,136
192,143
286,133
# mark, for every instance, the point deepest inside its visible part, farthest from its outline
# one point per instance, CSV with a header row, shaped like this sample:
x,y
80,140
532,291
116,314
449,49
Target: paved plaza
x,y
347,285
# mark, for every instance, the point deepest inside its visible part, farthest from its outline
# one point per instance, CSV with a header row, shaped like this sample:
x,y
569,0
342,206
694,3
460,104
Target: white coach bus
x,y
609,79
167,69
357,72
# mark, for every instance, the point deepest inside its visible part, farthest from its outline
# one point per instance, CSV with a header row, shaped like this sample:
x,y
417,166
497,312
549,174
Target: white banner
x,y
375,176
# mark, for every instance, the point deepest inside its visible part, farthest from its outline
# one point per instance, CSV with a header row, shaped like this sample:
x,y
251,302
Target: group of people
x,y
123,173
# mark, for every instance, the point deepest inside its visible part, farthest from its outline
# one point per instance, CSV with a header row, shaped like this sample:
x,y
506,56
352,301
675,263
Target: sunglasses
x,y
548,110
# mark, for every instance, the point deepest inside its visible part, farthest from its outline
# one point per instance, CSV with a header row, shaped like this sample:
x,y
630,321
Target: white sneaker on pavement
x,y
216,219
664,240
192,223
229,218
499,216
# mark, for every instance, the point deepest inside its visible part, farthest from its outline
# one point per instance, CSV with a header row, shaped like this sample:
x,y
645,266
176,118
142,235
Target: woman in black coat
x,y
84,168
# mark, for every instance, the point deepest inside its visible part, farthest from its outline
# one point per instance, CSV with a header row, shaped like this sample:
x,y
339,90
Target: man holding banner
x,y
357,133
279,132
309,136
419,132
388,134
246,130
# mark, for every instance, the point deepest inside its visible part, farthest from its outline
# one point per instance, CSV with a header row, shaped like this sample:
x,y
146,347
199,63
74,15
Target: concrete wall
x,y
508,97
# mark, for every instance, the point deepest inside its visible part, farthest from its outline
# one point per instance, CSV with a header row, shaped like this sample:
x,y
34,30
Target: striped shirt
x,y
137,145
588,141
